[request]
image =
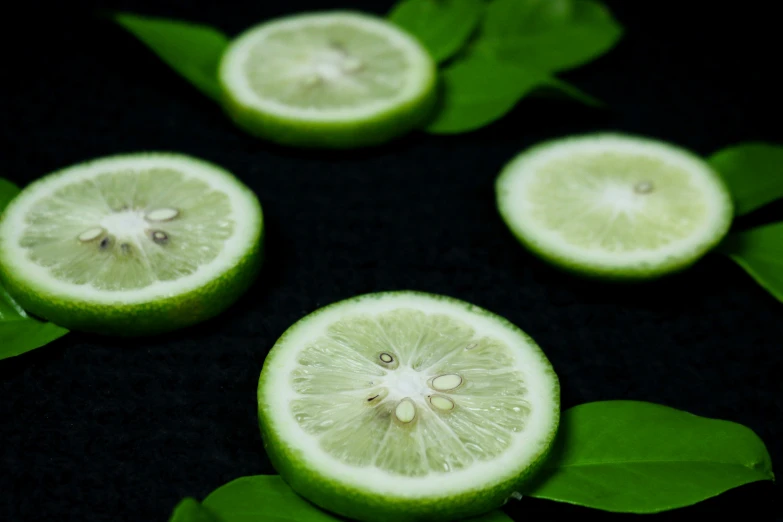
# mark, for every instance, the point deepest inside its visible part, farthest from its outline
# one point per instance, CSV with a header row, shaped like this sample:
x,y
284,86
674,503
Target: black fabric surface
x,y
96,429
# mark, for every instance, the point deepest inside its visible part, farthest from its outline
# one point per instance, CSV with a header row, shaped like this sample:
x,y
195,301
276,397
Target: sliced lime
x,y
407,406
614,206
328,79
131,244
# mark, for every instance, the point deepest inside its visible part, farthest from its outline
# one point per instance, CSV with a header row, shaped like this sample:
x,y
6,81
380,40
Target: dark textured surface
x,y
96,429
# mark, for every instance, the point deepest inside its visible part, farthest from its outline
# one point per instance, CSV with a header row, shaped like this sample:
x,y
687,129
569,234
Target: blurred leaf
x,y
478,91
20,333
754,173
547,35
193,50
442,26
759,251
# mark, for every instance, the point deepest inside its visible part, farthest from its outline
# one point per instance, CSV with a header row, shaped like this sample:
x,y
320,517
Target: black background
x,y
95,429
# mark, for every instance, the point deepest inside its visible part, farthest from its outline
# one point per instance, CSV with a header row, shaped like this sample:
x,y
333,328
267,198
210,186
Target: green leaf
x,y
638,457
549,35
18,332
269,498
189,510
442,26
759,251
557,88
262,497
8,191
478,91
193,50
754,173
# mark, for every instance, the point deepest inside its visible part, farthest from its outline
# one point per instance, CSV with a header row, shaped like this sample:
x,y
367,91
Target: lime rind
x,y
160,307
370,493
613,266
365,124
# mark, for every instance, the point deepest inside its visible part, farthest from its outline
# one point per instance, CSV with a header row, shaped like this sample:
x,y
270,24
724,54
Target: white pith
x,y
405,382
418,79
516,176
244,213
277,393
130,224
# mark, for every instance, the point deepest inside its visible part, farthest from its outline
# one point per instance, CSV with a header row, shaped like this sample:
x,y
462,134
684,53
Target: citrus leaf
x,y
269,498
759,251
754,173
262,497
18,332
478,91
189,510
8,191
192,50
549,35
557,88
442,26
638,457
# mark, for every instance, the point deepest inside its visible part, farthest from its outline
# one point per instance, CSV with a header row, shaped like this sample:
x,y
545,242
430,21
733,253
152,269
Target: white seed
x,y
441,403
385,357
446,382
471,346
162,214
90,234
643,187
405,410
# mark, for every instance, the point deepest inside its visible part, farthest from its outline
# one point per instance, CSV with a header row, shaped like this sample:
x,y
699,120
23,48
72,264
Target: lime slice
x,y
614,206
328,79
131,244
407,406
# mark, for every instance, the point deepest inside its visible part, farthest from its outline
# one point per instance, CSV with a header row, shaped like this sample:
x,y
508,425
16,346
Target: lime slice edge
x,y
638,162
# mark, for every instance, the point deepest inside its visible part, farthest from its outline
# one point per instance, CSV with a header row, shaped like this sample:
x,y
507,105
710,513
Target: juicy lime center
x,y
619,202
325,66
410,393
127,229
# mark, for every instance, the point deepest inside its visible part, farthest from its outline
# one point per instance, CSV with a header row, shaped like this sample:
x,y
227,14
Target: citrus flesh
x,y
614,206
131,244
407,406
334,79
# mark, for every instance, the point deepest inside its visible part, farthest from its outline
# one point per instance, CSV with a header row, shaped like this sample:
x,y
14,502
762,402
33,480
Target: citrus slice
x,y
131,244
614,206
328,79
407,406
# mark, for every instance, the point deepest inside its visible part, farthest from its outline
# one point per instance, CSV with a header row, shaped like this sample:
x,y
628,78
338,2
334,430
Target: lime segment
x,y
404,404
328,79
614,205
129,237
